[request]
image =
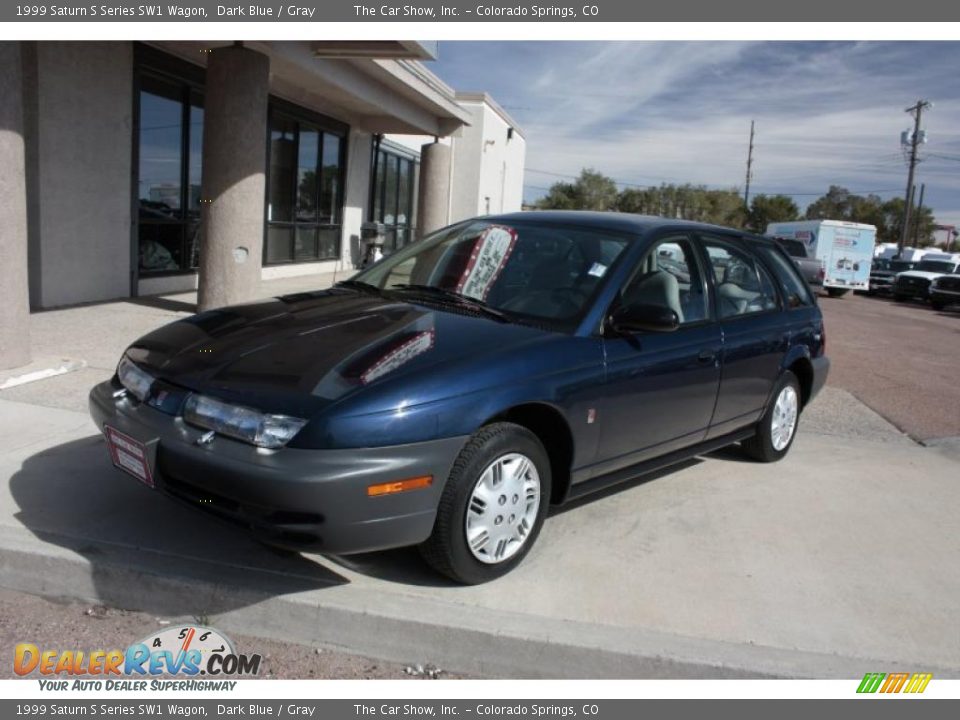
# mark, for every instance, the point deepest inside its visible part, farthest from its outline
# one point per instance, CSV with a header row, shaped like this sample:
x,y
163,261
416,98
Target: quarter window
x,y
795,287
744,287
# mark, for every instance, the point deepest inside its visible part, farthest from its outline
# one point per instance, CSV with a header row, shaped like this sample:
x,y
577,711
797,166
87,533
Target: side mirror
x,y
630,319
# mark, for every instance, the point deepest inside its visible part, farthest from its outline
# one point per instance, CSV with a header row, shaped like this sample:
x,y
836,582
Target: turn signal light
x,y
400,486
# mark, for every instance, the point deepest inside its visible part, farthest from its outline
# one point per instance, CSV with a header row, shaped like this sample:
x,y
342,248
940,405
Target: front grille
x,y
949,282
913,283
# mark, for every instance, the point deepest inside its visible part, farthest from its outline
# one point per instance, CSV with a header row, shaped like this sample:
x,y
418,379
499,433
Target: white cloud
x,y
826,113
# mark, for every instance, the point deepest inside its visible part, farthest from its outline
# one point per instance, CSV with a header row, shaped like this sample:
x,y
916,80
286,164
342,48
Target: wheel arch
x,y
798,362
552,429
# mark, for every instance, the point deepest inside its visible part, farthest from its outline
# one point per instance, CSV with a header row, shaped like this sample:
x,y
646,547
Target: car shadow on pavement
x,y
145,551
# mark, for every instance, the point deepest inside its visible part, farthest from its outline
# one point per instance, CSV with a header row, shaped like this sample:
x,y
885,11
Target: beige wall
x,y
80,246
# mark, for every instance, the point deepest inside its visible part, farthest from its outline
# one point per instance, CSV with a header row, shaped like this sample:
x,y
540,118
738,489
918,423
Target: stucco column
x,y
433,202
14,294
234,172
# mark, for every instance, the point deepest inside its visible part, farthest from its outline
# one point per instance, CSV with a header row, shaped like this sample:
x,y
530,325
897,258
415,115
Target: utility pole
x,y
746,191
917,112
916,223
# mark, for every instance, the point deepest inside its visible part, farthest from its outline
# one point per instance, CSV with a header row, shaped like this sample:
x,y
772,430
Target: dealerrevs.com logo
x,y
186,652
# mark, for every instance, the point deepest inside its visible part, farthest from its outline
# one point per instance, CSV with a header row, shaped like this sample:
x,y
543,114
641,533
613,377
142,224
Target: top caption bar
x,y
484,11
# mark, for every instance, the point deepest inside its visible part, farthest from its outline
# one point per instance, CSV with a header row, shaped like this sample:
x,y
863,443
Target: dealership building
x,y
131,169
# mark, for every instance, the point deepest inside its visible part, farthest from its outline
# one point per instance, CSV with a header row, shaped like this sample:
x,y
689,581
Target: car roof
x,y
611,221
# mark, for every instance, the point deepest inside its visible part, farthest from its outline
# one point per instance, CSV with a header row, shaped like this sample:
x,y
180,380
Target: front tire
x,y
778,426
492,507
937,305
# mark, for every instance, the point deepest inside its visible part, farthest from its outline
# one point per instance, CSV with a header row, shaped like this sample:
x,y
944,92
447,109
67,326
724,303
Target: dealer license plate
x,y
129,454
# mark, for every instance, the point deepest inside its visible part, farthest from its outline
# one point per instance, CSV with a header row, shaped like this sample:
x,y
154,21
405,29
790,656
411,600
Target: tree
x,y
835,205
591,191
766,209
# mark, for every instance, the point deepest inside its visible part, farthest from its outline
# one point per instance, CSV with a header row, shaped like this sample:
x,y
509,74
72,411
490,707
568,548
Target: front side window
x,y
304,193
669,276
744,287
528,271
170,150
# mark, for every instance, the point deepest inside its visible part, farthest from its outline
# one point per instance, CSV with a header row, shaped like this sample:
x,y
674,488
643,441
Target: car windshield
x,y
937,266
527,272
881,265
901,265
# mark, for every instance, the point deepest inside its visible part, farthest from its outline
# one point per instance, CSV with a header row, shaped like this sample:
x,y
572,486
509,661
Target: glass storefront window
x,y
304,193
170,149
395,197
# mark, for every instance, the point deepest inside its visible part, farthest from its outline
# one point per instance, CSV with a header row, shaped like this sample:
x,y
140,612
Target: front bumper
x,y
882,285
295,498
945,297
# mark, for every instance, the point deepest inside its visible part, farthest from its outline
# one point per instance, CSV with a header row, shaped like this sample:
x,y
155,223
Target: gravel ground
x,y
82,626
901,359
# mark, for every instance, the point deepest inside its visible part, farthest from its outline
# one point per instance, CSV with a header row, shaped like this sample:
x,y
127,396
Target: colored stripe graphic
x,y
870,682
894,682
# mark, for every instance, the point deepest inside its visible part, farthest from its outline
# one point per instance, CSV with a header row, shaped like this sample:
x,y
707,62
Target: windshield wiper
x,y
456,298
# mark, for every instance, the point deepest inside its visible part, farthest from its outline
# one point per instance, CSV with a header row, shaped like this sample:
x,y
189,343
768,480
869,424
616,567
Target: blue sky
x,y
645,112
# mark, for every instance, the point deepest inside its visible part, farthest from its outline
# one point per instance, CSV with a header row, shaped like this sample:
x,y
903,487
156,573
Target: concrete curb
x,y
401,628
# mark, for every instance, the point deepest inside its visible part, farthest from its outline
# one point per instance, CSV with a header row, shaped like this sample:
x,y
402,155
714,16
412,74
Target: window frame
x,y
324,125
738,242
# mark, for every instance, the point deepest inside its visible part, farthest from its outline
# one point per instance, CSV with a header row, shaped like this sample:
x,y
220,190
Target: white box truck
x,y
844,248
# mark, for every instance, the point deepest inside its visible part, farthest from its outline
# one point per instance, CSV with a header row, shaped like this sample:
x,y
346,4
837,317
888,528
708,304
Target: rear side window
x,y
744,287
795,288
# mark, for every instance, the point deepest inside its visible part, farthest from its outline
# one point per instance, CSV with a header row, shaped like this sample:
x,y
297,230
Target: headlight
x,y
134,379
242,423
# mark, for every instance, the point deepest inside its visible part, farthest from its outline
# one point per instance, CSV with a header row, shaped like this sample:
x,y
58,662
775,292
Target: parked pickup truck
x,y
810,267
883,272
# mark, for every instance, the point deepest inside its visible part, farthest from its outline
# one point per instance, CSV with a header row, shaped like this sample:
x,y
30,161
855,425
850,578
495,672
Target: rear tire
x,y
900,298
937,305
492,507
836,292
778,426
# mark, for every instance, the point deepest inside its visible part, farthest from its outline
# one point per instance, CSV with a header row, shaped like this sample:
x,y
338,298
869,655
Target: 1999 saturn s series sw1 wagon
x,y
450,393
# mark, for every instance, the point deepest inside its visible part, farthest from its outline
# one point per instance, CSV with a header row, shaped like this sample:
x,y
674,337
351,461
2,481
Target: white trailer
x,y
844,248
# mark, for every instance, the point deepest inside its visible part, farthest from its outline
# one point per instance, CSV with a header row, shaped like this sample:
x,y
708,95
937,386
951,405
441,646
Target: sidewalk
x,y
838,560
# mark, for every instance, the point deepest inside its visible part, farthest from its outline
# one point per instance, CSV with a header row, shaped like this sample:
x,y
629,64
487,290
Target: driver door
x,y
660,387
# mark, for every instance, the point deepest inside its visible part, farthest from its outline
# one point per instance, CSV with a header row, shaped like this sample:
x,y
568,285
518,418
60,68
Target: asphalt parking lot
x,y
901,359
830,563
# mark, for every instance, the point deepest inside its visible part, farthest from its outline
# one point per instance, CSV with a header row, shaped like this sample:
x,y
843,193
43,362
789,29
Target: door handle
x,y
706,356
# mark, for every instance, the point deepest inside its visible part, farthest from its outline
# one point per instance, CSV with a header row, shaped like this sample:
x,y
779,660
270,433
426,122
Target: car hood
x,y
298,354
921,274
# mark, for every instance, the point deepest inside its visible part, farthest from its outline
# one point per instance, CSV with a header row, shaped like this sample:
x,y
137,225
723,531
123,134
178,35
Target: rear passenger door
x,y
754,337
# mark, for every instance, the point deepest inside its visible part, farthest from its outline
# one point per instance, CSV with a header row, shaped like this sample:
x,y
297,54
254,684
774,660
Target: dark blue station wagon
x,y
447,395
